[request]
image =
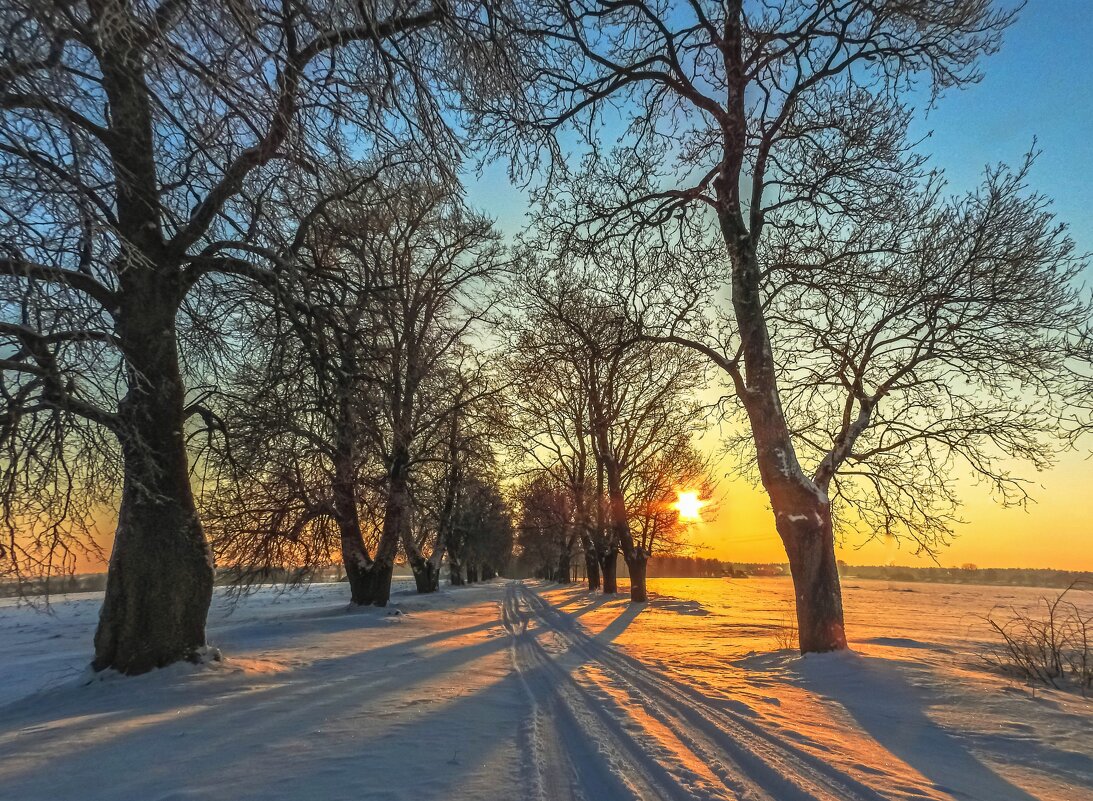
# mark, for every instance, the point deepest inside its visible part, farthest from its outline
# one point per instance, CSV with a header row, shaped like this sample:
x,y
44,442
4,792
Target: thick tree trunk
x,y
637,563
810,545
396,512
426,576
359,569
160,579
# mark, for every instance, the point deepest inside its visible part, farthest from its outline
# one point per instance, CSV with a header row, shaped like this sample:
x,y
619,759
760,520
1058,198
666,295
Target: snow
x,y
533,691
312,701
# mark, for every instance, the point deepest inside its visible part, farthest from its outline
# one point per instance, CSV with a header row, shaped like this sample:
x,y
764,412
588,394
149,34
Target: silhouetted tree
x,y
637,403
876,333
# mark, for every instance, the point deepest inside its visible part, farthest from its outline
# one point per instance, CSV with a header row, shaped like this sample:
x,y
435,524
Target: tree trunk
x,y
160,579
810,545
592,567
637,563
455,570
801,507
395,520
565,570
426,577
609,567
359,567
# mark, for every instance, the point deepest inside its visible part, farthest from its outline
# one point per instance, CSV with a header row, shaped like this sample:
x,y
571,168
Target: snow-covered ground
x,y
514,691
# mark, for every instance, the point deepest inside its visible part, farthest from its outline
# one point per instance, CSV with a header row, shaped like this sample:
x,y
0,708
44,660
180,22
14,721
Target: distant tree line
x,y
1009,576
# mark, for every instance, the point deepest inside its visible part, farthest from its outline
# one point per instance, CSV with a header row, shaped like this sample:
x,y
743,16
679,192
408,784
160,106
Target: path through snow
x,y
507,690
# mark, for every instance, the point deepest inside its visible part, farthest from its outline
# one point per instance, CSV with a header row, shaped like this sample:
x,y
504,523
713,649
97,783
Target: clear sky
x,y
1039,87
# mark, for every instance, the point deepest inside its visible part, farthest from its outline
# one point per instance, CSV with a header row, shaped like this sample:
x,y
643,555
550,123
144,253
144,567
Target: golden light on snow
x,y
689,505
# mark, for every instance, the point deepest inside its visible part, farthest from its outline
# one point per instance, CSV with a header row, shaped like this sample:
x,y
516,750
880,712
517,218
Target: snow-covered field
x,y
513,691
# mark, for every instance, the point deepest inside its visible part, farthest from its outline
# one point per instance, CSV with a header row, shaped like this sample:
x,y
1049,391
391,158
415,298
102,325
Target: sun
x,y
689,505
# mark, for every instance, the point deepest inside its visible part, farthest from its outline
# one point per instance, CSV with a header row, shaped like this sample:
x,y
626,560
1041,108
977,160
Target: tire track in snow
x,y
750,762
578,750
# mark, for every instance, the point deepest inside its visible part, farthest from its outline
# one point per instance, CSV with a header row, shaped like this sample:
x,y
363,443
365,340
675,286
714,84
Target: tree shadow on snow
x,y
892,711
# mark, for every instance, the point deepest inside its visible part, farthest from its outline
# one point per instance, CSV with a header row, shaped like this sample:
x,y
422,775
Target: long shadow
x,y
619,624
892,711
72,698
592,600
252,722
269,720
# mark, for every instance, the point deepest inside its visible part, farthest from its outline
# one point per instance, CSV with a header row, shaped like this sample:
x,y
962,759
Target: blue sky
x,y
1039,86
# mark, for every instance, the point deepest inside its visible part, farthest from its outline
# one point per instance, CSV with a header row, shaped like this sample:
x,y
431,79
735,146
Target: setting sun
x,y
689,505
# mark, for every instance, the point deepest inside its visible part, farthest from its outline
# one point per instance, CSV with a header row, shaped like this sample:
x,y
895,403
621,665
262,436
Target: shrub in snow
x,y
1051,644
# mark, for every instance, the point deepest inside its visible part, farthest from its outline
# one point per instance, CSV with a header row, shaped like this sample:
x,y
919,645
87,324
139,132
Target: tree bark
x,y
564,574
395,520
426,578
592,567
455,572
609,568
810,544
638,564
160,580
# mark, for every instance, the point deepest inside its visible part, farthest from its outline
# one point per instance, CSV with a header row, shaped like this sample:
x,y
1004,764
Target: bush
x,y
785,631
1050,645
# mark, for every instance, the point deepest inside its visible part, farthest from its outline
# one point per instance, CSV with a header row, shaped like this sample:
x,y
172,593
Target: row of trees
x,y
605,422
233,255
188,183
748,167
356,417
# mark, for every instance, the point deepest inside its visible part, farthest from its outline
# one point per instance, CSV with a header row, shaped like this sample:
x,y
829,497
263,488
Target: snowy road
x,y
509,691
605,726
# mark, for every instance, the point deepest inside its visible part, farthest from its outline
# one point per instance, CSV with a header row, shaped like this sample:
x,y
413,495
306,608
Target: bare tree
x,y
550,435
636,403
482,530
435,261
470,413
545,529
653,485
292,478
359,386
141,146
776,131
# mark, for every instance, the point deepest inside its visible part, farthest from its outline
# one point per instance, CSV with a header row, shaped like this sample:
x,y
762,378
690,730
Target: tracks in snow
x,y
604,727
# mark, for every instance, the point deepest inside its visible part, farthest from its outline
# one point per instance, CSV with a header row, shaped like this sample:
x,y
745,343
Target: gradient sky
x,y
1039,87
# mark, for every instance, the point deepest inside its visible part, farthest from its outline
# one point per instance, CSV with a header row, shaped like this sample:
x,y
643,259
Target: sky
x,y
1038,88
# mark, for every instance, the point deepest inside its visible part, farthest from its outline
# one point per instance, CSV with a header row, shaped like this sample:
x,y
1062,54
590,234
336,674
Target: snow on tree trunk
x,y
810,545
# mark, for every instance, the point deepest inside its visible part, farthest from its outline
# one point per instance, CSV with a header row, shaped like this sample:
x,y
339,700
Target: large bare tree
x,y
777,129
142,144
